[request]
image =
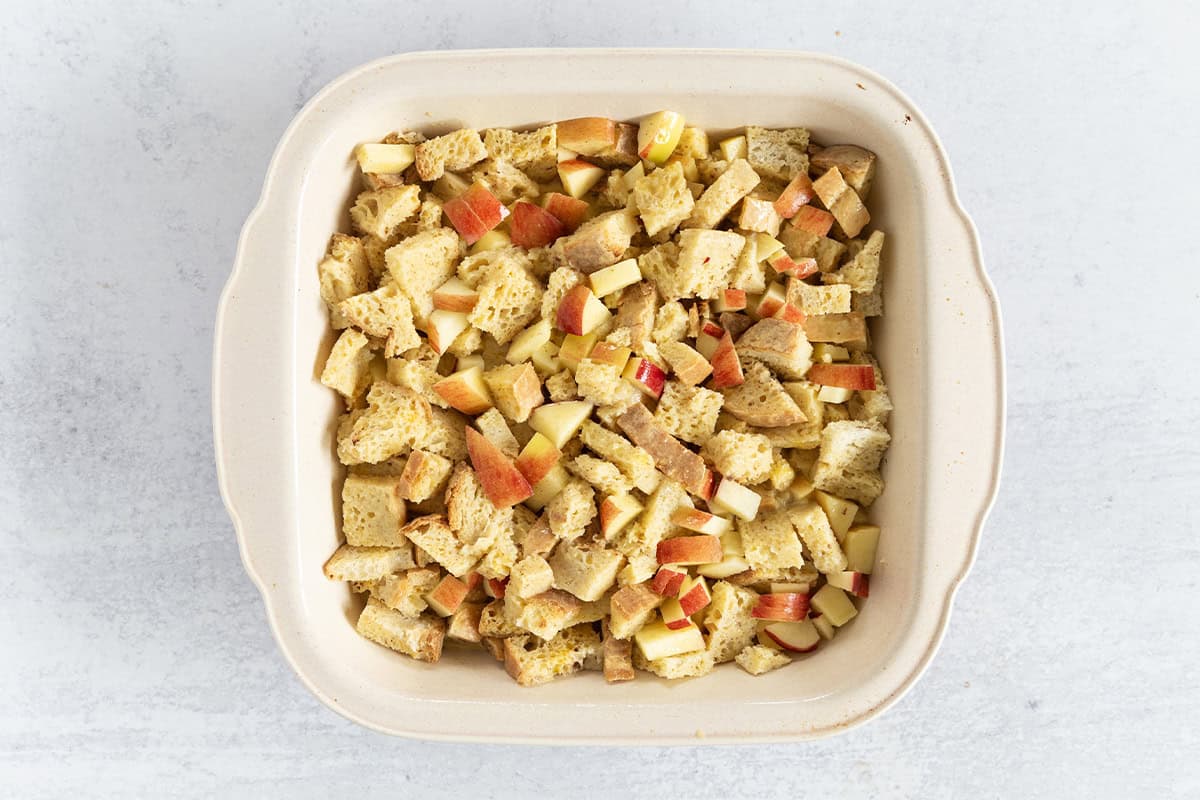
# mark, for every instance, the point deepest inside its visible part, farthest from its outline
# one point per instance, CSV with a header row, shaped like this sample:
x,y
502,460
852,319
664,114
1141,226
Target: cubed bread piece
x,y
632,607
861,487
433,535
394,417
600,474
639,568
761,400
749,274
724,193
572,509
344,272
817,300
350,563
781,475
758,659
494,620
861,271
743,457
869,304
475,521
419,637
800,243
856,164
384,313
418,370
444,434
425,474
685,665
867,405
561,386
770,543
545,614
777,154
429,215
502,553
561,281
505,181
515,389
585,569
688,412
693,142
599,242
599,382
779,344
393,466
635,312
509,299
531,663
380,212
530,576
642,537
662,199
406,591
705,260
537,539
690,368
672,458
670,322
853,445
730,627
463,624
493,427
759,214
421,263
455,152
373,511
660,266
348,368
618,659
535,152
814,529
842,201
635,464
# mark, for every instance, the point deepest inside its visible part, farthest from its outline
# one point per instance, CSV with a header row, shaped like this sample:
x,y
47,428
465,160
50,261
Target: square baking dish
x,y
939,343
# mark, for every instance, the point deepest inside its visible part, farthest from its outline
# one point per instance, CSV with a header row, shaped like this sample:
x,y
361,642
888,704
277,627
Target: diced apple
x,y
694,595
502,482
789,313
578,176
693,519
829,353
633,175
796,637
615,278
523,345
733,498
612,354
730,300
773,299
658,134
785,607
575,349
494,587
533,226
788,587
685,550
727,367
689,366
617,511
674,617
454,295
447,596
733,147
475,212
801,488
797,193
468,361
730,565
823,626
784,264
537,458
710,336
840,512
545,358
856,583
385,159
646,376
580,311
587,136
570,211
656,640
465,391
548,487
859,545
813,220
833,603
766,246
834,394
563,154
492,240
668,580
443,327
559,422
845,376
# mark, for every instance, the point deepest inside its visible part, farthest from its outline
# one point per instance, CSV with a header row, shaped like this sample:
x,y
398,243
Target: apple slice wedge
x,y
465,391
859,377
800,268
575,349
646,376
559,422
580,312
443,327
773,299
658,134
570,211
686,550
733,498
447,596
492,240
612,279
548,487
475,212
694,595
832,602
798,193
856,583
796,637
533,226
617,511
668,580
385,159
674,617
860,545
730,300
578,176
587,136
494,587
727,367
693,519
612,354
813,220
502,482
782,606
537,458
454,295
789,313
709,337
656,640
526,343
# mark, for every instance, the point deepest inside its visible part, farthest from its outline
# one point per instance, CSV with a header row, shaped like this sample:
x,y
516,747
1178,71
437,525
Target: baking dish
x,y
939,343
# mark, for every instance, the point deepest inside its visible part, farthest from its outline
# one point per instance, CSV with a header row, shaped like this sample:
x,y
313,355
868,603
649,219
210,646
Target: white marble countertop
x,y
134,655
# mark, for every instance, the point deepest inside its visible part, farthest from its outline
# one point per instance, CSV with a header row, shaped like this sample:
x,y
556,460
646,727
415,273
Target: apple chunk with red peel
x,y
612,354
444,326
730,300
617,511
454,295
694,595
856,583
494,587
844,376
813,220
465,391
784,606
773,299
559,422
537,458
646,376
578,176
727,367
796,637
580,311
684,550
587,136
658,134
548,488
667,581
823,626
502,482
570,211
796,194
447,596
733,498
674,617
789,313
693,519
533,226
784,264
672,458
656,640
475,212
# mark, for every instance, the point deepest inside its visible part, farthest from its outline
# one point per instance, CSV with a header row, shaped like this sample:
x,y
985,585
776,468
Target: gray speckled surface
x,y
134,655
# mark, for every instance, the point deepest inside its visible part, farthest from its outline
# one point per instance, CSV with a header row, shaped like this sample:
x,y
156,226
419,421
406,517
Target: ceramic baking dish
x,y
939,343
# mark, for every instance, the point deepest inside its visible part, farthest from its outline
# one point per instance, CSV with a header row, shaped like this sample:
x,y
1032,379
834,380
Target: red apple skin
x,y
790,313
860,377
733,299
570,211
695,598
727,367
701,549
710,328
475,212
675,624
495,587
570,310
785,265
449,594
856,583
768,305
705,490
667,582
784,607
813,220
797,193
587,135
533,226
444,301
502,482
537,459
647,376
786,645
472,579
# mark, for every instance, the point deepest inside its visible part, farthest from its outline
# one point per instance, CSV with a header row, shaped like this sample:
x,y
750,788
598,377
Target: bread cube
x,y
777,154
660,266
394,417
662,199
406,591
868,405
455,152
853,445
684,665
719,198
493,427
842,201
584,570
562,387
572,509
424,475
444,434
770,543
544,615
705,260
817,300
386,314
380,212
515,390
509,299
600,474
530,663
530,576
634,463
599,242
344,272
505,181
636,308
599,382
758,659
813,526
861,271
421,263
688,412
373,511
535,152
350,563
670,322
419,637
348,368
730,627
778,343
802,244
743,457
761,400
561,281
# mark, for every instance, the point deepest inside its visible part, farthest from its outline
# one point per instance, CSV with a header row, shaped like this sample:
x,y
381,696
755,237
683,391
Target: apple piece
x,y
656,640
575,348
813,220
537,458
834,394
468,361
492,240
773,299
856,583
689,366
860,545
668,580
533,226
617,511
578,176
548,487
580,311
730,300
385,159
523,345
729,565
733,148
693,519
685,550
633,175
494,587
766,246
694,595
658,134
829,353
545,358
447,596
674,617
735,499
454,295
789,313
570,211
785,588
727,367
784,264
465,391
709,482
609,353
796,637
502,482
612,279
559,422
443,327
796,194
845,376
823,626
587,135
784,606
840,512
833,603
646,376
563,154
475,212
